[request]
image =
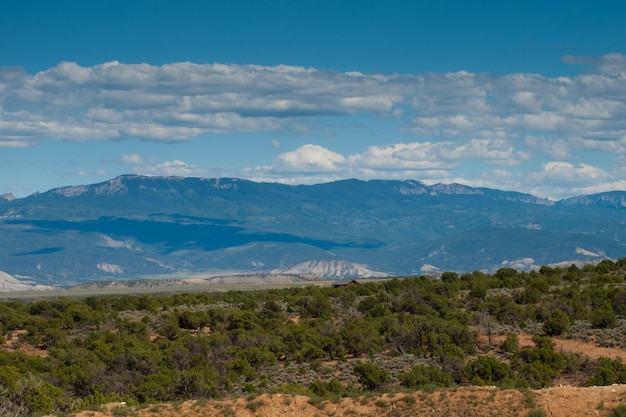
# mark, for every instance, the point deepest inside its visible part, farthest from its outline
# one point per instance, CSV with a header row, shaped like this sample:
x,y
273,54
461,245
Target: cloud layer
x,y
503,121
182,100
177,101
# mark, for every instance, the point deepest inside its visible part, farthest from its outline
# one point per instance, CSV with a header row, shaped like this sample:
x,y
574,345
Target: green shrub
x,y
619,411
510,344
422,375
556,324
487,370
371,376
602,318
325,389
540,365
608,372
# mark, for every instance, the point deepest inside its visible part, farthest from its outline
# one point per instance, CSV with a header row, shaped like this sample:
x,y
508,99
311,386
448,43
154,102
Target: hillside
x,y
135,227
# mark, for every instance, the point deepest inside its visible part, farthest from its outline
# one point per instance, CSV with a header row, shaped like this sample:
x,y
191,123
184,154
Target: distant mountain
x,y
614,199
134,226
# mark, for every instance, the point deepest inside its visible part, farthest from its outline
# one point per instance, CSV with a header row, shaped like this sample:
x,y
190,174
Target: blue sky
x,y
520,95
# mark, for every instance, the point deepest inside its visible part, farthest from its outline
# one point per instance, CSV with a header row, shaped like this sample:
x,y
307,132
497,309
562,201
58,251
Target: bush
x,y
28,394
619,411
608,372
536,374
371,376
332,388
487,370
556,324
510,344
602,318
422,375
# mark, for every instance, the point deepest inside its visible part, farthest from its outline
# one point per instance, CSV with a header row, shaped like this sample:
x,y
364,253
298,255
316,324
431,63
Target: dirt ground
x,y
466,401
589,349
13,344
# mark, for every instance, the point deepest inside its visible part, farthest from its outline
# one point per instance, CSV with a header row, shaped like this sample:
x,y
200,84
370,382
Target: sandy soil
x,y
14,345
589,349
467,401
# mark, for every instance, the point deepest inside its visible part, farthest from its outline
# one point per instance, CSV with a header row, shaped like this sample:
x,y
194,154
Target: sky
x,y
525,96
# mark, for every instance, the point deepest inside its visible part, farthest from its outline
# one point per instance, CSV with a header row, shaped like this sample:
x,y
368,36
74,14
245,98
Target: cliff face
x,y
611,199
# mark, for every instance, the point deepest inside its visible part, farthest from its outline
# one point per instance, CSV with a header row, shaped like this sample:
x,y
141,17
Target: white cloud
x,y
182,100
567,172
452,119
556,148
97,173
310,158
558,179
404,156
612,64
437,155
178,101
174,168
434,163
15,144
132,158
310,164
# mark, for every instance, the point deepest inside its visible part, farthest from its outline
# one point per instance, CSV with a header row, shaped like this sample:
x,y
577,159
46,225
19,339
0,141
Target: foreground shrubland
x,y
399,335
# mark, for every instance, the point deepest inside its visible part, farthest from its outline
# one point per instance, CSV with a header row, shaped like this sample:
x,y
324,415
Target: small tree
x,y
487,370
603,317
371,376
510,344
423,375
332,388
556,324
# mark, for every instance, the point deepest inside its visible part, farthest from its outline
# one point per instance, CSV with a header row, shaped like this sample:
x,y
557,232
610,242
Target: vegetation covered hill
x,y
509,330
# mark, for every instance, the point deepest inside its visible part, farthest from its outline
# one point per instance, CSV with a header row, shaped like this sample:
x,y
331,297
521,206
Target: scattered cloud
x,y
179,101
132,159
174,168
436,163
97,173
559,179
532,128
310,158
560,171
429,162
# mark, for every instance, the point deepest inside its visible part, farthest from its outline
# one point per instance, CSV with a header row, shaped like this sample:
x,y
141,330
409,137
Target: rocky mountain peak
x,y
615,199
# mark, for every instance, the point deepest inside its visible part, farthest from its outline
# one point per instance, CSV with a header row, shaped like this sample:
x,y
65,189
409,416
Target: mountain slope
x,y
134,226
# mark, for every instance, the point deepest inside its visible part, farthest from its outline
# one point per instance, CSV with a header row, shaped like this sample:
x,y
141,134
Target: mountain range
x,y
137,227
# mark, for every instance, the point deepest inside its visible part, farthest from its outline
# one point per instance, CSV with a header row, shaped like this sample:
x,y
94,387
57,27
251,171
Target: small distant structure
x,y
345,283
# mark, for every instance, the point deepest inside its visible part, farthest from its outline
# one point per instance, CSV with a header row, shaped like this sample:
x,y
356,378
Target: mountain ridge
x,y
133,226
407,187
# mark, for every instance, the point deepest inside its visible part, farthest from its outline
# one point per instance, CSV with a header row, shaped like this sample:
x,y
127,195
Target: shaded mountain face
x,y
134,226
